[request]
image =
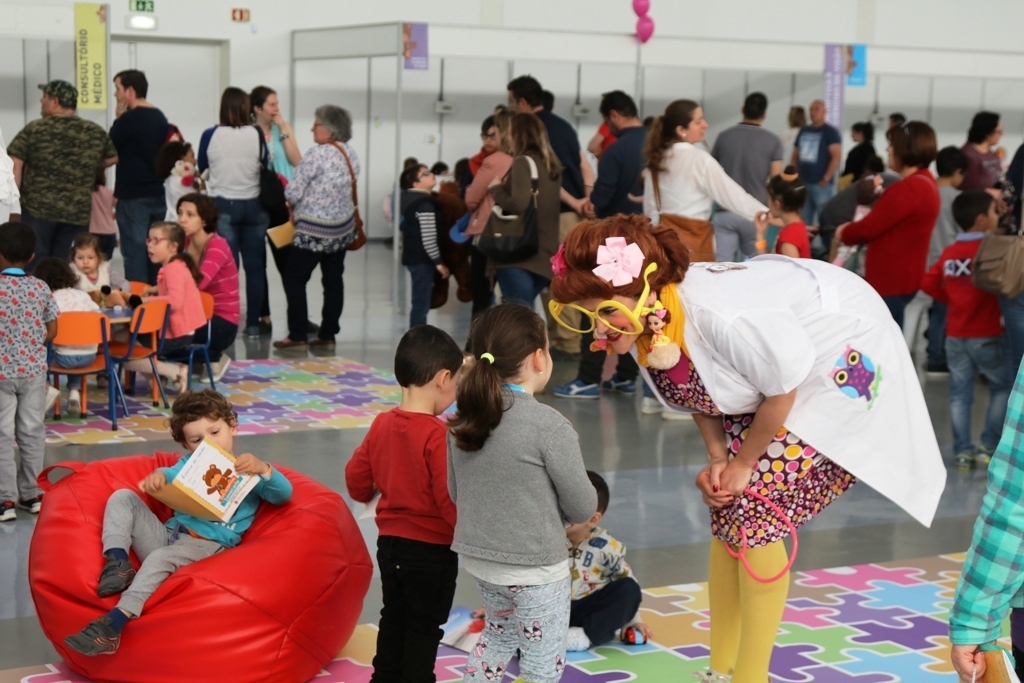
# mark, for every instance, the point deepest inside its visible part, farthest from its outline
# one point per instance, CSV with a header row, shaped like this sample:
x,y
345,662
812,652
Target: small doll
x,y
662,354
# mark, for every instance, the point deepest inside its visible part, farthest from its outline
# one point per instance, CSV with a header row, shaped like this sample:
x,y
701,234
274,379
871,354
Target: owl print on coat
x,y
856,375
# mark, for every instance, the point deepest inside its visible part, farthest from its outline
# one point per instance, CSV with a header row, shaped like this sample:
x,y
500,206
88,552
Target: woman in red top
x,y
786,197
899,227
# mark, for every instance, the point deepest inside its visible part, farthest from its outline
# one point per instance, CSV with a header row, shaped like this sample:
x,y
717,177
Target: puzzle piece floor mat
x,y
873,623
270,396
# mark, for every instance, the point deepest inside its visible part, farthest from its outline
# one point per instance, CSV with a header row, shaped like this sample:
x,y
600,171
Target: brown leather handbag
x,y
697,235
360,239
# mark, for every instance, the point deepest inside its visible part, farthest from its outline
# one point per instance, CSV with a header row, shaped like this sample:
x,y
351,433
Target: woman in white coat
x,y
791,368
682,181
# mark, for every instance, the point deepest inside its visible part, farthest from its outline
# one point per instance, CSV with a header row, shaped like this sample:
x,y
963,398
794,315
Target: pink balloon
x,y
641,7
644,29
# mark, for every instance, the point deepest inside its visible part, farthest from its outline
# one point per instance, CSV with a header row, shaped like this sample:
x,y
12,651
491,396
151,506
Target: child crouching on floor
x,y
605,593
163,547
404,457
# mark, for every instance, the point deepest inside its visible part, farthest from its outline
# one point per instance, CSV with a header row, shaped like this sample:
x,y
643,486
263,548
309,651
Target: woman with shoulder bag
x,y
327,225
524,280
233,153
498,147
682,181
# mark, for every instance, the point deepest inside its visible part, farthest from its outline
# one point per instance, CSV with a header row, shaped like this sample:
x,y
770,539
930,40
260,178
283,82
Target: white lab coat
x,y
774,324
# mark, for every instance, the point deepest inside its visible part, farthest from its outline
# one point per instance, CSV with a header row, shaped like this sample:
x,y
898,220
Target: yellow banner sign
x,y
91,55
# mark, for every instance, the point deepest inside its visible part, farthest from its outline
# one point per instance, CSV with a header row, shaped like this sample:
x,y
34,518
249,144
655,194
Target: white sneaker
x,y
651,406
181,380
576,640
51,397
711,676
221,367
74,401
674,415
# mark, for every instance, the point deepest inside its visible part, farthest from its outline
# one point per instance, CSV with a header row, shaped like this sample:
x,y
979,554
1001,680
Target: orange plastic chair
x,y
138,287
86,329
203,349
148,320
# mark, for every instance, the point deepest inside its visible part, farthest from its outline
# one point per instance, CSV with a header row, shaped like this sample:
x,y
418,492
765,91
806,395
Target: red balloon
x,y
277,608
644,29
641,7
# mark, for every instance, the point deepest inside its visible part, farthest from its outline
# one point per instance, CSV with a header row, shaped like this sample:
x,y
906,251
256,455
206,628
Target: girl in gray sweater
x,y
516,475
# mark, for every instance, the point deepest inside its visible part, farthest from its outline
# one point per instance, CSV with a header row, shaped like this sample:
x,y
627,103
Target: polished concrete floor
x,y
650,465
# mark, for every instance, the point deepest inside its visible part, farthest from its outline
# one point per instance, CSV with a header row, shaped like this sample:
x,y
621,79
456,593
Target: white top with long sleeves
x,y
775,324
692,182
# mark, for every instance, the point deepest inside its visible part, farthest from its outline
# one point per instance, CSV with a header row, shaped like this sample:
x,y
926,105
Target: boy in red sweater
x,y
975,339
404,457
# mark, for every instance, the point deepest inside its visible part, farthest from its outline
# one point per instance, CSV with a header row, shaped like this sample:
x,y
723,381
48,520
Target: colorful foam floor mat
x,y
874,623
270,396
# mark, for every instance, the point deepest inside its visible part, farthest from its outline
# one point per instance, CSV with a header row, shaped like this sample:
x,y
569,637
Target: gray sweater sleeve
x,y
577,497
452,489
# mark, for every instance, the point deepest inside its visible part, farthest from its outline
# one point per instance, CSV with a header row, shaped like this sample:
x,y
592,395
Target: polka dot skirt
x,y
792,474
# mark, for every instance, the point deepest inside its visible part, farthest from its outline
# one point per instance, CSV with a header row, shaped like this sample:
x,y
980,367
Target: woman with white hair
x,y
321,195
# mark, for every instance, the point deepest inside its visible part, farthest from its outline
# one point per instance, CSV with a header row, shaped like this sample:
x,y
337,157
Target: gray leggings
x,y
128,523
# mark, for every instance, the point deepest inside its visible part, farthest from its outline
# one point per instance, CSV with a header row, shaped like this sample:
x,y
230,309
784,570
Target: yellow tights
x,y
745,613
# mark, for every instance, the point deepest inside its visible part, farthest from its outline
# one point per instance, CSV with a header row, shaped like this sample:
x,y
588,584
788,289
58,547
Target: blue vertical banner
x,y
857,65
414,46
835,82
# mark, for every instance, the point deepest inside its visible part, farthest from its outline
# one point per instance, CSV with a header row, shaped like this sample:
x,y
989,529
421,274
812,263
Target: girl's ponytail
x,y
501,339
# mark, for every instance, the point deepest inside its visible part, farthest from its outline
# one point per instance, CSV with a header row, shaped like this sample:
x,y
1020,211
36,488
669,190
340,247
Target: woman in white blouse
x,y
682,181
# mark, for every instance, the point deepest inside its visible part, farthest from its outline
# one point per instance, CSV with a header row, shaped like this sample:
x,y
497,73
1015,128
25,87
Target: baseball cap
x,y
62,91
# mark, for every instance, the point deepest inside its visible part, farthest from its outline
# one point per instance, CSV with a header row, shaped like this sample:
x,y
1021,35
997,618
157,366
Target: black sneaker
x,y
115,577
8,513
33,505
98,638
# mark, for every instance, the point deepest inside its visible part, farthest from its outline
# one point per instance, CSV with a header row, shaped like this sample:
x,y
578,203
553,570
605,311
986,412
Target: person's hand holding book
x,y
247,463
153,483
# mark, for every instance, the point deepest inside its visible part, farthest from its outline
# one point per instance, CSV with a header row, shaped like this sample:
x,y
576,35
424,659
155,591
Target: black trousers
x,y
592,363
418,586
281,261
480,284
222,337
301,263
603,613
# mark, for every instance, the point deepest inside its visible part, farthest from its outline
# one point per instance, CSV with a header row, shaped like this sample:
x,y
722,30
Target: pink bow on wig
x,y
661,313
617,262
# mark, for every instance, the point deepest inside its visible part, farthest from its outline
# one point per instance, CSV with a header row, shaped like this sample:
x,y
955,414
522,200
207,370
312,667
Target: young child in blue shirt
x,y
605,593
128,524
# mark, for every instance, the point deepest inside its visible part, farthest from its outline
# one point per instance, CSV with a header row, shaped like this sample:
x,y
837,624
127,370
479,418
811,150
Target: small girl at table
x,y
93,271
62,282
178,284
786,197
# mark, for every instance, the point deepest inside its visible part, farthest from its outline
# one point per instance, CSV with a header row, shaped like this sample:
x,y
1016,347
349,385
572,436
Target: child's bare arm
x,y
51,330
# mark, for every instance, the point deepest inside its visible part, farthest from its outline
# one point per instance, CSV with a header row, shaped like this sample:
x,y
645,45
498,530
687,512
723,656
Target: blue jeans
x,y
966,358
520,286
134,216
817,197
52,238
422,290
897,305
1013,321
75,360
243,223
936,334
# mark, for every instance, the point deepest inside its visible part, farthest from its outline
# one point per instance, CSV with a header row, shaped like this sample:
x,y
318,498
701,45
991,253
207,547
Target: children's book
x,y
462,630
207,486
1000,668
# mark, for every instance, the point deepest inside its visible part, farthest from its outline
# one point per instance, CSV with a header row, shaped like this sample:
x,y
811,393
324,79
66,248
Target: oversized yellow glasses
x,y
588,320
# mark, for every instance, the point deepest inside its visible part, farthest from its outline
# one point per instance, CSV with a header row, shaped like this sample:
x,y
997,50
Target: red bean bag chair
x,y
277,607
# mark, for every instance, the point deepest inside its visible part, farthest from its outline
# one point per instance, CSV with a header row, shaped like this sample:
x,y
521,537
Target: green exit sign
x,y
140,6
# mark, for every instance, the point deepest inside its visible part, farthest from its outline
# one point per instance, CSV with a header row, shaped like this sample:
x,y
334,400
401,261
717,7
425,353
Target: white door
x,y
184,80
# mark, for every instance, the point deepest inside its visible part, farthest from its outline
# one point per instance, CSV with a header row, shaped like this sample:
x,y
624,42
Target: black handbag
x,y
271,189
512,239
